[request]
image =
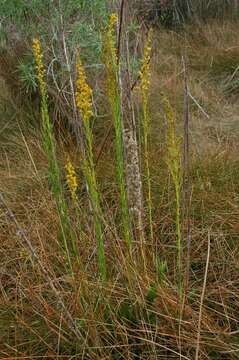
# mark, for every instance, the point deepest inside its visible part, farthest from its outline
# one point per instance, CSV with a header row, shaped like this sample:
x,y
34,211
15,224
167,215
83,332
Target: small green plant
x,y
152,294
161,266
27,76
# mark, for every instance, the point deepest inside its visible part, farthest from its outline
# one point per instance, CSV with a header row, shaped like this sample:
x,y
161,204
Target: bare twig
x,y
198,105
121,15
76,118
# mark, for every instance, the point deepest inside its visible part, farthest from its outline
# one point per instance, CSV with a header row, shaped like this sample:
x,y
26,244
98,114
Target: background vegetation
x,y
119,179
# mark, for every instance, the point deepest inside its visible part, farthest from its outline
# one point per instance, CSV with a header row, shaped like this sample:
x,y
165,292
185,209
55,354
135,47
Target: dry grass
x,y
122,320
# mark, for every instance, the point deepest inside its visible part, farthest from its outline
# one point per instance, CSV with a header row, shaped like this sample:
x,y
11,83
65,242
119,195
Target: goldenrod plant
x,y
49,148
113,89
173,160
84,104
144,76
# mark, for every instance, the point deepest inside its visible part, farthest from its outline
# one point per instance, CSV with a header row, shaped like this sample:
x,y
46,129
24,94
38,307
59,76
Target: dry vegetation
x,y
138,312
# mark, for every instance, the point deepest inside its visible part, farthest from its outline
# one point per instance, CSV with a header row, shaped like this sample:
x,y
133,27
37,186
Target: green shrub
x,y
62,28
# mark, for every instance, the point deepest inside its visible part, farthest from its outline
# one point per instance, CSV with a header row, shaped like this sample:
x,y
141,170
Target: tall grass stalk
x,y
144,90
113,88
173,160
49,148
186,197
84,104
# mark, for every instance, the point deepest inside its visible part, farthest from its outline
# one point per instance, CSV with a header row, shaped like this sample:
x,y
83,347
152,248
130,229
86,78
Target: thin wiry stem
x,y
202,296
185,186
89,172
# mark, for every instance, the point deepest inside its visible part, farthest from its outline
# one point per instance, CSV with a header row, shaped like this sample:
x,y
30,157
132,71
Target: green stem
x,y
179,240
89,172
146,157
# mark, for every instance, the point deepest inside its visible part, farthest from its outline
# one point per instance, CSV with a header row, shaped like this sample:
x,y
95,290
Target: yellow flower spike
x,y
173,141
71,179
173,160
110,35
144,73
144,77
83,93
110,60
37,52
112,22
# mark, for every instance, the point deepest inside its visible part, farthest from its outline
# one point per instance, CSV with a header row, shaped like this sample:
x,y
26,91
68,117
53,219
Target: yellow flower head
x,y
144,73
110,38
37,52
71,179
112,22
83,93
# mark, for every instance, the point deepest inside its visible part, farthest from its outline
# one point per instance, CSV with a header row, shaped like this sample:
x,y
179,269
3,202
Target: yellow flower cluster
x,y
112,22
111,37
71,179
37,52
83,93
144,73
